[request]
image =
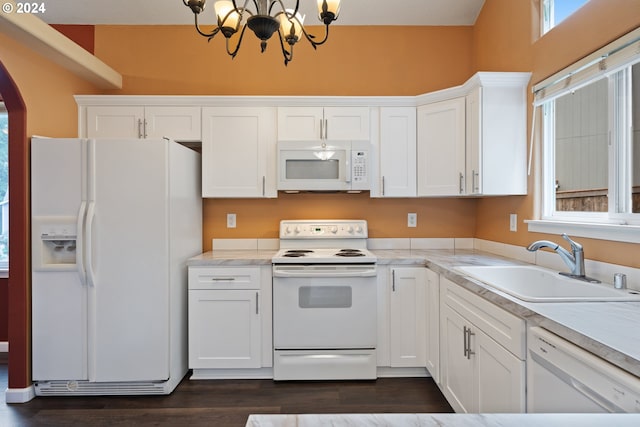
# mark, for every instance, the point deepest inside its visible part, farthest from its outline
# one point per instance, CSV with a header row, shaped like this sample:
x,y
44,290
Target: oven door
x,y
313,166
324,307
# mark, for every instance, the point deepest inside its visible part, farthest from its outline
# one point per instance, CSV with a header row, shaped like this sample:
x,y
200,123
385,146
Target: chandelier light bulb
x,y
227,16
291,23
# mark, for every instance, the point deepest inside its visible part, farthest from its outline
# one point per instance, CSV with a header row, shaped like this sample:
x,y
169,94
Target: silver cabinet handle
x,y
223,279
475,182
145,128
383,185
464,340
321,128
393,280
257,302
139,128
467,334
326,128
461,183
264,179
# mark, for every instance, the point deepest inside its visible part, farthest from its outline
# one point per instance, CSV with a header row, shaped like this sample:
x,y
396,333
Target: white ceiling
x,y
353,12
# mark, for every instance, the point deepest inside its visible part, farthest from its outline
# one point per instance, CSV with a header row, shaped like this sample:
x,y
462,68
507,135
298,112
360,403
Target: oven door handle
x,y
319,273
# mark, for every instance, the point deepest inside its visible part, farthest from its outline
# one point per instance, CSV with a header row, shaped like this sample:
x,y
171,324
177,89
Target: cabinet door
x,y
456,369
473,152
224,329
300,123
496,140
238,152
317,123
115,122
346,123
397,152
433,324
441,148
501,377
177,123
407,314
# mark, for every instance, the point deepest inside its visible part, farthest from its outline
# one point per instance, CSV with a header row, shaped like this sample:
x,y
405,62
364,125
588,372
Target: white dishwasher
x,y
562,377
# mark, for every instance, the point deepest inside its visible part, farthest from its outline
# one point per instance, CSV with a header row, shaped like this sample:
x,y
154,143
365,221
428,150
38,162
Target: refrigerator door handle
x,y
80,243
91,213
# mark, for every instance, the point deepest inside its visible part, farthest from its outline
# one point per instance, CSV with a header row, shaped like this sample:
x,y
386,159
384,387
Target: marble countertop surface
x,y
229,258
608,329
440,420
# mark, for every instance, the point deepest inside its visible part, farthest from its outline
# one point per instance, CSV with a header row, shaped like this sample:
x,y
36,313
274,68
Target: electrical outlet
x,y
513,222
412,220
231,220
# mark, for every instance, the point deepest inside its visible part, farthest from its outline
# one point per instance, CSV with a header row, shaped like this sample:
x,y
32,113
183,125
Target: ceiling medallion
x,y
264,18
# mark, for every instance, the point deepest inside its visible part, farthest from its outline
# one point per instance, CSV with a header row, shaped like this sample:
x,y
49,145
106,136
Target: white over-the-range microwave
x,y
323,166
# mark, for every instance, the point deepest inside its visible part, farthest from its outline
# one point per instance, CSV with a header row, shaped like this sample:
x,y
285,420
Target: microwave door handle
x,y
348,167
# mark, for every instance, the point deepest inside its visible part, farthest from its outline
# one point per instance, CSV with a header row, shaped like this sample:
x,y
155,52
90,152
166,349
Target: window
x,y
591,140
4,188
556,11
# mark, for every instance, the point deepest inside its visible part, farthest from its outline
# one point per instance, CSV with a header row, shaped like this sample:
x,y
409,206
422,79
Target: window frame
x,y
611,225
548,15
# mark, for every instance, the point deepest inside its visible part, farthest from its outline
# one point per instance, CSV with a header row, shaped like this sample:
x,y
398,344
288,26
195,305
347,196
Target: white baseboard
x,y
19,395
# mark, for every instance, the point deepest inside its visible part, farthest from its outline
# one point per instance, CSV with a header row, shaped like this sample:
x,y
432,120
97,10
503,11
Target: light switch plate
x,y
231,220
412,220
513,222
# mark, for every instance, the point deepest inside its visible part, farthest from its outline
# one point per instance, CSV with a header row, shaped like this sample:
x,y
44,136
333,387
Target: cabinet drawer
x,y
505,328
224,278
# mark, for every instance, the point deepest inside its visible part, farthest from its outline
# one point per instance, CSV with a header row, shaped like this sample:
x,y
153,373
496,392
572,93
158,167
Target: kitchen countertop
x,y
221,258
613,337
439,420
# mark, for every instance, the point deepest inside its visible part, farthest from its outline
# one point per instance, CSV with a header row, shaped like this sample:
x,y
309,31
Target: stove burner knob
x,y
287,230
350,229
333,229
359,229
296,230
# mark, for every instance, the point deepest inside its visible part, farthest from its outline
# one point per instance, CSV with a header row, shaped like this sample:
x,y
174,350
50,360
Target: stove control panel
x,y
323,229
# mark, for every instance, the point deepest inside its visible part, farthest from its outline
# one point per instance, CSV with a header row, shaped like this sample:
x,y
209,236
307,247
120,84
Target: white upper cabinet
x,y
180,123
239,152
323,123
472,139
396,153
497,139
441,148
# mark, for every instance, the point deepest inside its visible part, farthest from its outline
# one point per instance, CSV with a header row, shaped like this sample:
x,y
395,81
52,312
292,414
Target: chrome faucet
x,y
573,259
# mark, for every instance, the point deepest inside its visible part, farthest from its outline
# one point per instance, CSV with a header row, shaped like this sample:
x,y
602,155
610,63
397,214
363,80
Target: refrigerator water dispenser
x,y
54,244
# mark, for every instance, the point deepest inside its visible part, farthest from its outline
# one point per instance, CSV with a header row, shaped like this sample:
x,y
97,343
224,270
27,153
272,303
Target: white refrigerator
x,y
113,224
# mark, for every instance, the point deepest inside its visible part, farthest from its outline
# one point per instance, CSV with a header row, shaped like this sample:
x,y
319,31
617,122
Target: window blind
x,y
610,59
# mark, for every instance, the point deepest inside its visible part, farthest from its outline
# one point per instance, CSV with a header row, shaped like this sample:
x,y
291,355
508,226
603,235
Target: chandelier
x,y
264,19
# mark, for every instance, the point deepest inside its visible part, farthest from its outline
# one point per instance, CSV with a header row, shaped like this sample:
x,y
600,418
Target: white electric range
x,y
324,301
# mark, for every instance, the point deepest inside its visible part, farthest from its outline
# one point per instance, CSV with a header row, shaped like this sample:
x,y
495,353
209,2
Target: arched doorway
x,y
19,235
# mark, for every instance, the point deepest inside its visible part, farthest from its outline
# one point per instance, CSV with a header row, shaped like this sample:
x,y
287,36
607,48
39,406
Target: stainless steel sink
x,y
537,284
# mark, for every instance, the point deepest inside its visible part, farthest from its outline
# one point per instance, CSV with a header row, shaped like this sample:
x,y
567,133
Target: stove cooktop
x,y
323,255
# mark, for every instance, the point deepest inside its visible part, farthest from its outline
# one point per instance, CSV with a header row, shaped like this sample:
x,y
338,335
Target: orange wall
x,y
46,88
506,34
386,217
354,61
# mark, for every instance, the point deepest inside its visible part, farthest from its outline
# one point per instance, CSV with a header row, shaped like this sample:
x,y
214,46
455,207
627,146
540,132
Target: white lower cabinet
x,y
229,321
433,324
401,317
482,365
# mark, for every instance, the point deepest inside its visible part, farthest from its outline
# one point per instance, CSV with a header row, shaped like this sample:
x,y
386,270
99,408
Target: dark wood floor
x,y
226,403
